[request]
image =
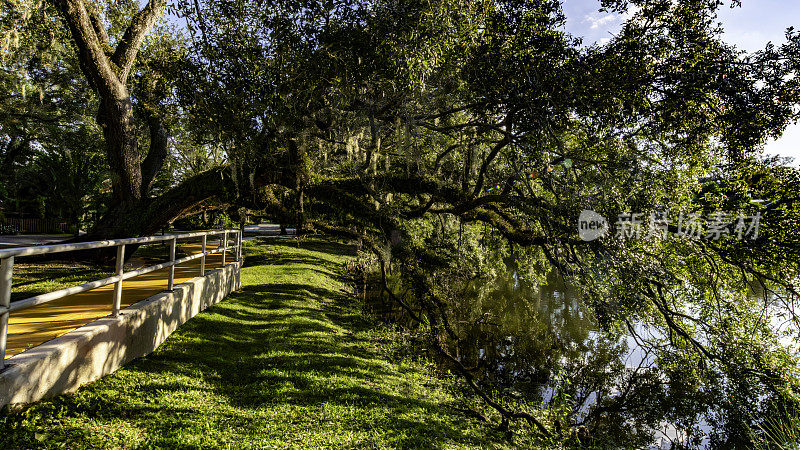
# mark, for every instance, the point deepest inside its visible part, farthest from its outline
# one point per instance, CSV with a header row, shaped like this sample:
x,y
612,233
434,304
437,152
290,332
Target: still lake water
x,y
529,336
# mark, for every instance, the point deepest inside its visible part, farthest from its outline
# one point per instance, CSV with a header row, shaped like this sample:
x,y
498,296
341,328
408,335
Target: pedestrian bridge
x,y
56,341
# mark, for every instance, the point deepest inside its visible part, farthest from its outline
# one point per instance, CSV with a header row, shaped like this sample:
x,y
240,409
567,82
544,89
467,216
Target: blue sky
x,y
749,27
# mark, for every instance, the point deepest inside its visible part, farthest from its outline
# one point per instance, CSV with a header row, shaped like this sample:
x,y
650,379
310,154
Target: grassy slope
x,y
288,361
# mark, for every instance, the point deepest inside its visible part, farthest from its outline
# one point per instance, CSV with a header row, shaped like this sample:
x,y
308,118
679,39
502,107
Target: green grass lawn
x,y
289,361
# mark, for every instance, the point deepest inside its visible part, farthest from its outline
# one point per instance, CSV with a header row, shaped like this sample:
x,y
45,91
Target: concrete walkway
x,y
266,229
28,240
33,326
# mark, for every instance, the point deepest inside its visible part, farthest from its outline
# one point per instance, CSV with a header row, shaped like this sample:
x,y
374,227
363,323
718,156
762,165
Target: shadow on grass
x,y
264,348
316,244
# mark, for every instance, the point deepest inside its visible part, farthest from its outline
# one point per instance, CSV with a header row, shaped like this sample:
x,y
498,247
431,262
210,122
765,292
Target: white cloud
x,y
598,20
595,25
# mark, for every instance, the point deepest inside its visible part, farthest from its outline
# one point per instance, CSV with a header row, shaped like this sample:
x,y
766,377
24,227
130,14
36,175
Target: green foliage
x,y
780,431
459,140
51,154
6,228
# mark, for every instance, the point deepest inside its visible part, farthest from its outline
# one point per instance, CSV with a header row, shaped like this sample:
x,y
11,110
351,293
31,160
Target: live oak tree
x,y
107,68
131,60
438,132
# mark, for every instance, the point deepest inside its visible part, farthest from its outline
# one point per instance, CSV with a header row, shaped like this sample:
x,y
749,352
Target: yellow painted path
x,y
33,326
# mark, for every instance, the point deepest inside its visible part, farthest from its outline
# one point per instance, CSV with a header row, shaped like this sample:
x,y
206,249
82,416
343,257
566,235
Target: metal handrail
x,y
7,267
58,248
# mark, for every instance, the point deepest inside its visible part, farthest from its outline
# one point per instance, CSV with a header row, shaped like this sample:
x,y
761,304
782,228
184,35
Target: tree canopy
x,y
452,137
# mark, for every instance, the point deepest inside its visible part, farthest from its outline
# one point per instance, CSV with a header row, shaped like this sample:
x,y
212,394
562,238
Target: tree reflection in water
x,y
536,345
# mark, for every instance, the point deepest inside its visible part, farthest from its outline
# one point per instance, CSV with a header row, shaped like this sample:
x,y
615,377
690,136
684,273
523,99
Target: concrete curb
x,y
99,348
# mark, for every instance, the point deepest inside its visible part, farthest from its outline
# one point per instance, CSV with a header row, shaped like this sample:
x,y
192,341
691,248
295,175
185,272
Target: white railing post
x,y
203,258
239,246
171,281
224,244
6,271
118,285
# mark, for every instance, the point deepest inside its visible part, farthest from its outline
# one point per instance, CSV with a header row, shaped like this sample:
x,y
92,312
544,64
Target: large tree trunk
x,y
122,149
157,153
132,179
107,72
